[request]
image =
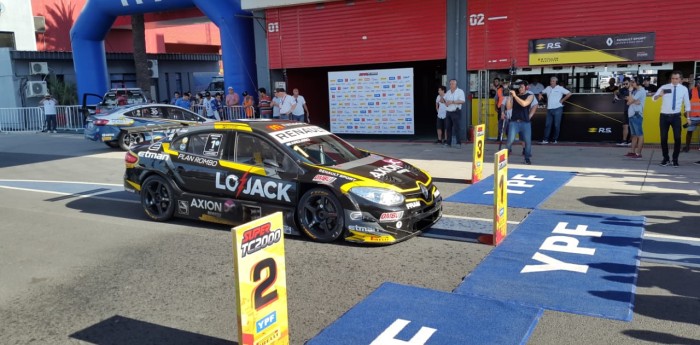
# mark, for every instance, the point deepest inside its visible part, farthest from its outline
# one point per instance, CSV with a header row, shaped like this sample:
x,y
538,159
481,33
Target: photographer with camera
x,y
519,103
556,96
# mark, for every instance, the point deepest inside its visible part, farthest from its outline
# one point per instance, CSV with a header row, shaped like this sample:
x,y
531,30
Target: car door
x,y
262,172
196,165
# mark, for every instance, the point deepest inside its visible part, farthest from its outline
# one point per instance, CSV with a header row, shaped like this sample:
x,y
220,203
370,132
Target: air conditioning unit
x,y
36,89
38,68
152,68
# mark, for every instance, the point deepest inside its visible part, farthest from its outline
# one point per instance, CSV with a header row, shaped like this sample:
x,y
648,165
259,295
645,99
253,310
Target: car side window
x,y
252,150
202,144
180,114
152,112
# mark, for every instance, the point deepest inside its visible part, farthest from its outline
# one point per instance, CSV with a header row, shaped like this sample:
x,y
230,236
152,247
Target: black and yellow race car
x,y
234,172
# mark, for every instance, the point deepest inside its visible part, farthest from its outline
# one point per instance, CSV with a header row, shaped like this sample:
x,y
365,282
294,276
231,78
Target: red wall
x,y
331,34
494,44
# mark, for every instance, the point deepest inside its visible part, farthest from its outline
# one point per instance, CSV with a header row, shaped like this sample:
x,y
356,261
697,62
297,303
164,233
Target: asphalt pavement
x,y
83,269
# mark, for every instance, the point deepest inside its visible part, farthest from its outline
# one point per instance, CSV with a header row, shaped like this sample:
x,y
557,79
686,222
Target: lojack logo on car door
x,y
272,190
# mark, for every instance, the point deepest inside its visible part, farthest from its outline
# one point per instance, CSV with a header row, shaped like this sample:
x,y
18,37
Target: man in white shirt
x,y
49,104
299,106
454,98
556,96
673,96
286,103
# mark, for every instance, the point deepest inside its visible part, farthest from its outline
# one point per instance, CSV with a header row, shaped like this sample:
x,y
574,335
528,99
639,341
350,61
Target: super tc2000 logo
x,y
259,238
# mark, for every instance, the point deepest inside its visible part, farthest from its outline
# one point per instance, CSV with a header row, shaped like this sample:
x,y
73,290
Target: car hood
x,y
385,169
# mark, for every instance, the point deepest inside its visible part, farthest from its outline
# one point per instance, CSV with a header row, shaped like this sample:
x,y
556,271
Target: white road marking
x,y
94,196
70,182
673,237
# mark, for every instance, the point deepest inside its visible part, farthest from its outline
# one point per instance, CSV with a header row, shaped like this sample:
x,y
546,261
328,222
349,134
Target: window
x,y
252,150
201,144
7,40
152,113
180,114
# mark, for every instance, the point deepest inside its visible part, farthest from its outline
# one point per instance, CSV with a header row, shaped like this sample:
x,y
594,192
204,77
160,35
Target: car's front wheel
x,y
157,198
320,215
125,140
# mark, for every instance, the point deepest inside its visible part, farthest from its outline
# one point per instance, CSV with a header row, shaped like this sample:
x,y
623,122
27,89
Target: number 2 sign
x,y
261,284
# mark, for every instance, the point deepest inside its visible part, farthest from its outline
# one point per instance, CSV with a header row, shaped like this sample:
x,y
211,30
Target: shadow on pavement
x,y
682,301
123,330
646,203
660,338
14,159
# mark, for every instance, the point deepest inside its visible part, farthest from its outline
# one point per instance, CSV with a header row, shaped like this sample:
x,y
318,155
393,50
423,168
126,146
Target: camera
x,y
515,86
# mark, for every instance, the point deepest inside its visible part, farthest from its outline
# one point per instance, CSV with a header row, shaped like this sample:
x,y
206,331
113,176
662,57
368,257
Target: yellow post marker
x,y
261,284
478,154
500,196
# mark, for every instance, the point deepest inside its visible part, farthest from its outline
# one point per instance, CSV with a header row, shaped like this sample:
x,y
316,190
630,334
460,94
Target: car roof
x,y
251,125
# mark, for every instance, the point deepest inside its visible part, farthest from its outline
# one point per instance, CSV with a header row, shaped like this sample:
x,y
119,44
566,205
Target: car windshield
x,y
327,150
123,97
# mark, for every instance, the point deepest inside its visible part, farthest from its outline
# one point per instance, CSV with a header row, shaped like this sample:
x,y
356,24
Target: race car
x,y
113,127
234,172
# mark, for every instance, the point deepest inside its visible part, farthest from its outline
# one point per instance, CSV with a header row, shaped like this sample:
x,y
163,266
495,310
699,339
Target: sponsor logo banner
x,y
500,196
478,153
261,285
592,49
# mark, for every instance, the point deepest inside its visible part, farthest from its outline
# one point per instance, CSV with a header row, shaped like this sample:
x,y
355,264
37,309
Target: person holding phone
x,y
673,96
49,103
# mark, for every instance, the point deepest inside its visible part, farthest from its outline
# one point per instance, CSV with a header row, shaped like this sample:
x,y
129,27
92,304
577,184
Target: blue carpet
x,y
401,312
526,188
597,275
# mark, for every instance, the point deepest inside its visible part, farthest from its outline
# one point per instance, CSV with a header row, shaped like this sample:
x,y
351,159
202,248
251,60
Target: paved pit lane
x,y
86,264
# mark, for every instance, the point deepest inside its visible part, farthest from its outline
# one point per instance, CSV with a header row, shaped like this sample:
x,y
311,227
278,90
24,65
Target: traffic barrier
x,y
32,119
21,119
70,118
227,113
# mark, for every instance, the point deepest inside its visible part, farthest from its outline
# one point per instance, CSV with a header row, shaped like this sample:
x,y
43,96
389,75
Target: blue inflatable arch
x,y
96,19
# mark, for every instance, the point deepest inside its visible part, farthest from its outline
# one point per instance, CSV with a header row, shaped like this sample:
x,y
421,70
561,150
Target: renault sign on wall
x,y
591,49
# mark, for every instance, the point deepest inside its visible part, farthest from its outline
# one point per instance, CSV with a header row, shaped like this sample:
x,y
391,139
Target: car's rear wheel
x,y
320,215
157,198
125,139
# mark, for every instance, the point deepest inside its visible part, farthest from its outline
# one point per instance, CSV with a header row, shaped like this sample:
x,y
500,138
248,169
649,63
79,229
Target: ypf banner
x,y
261,284
478,154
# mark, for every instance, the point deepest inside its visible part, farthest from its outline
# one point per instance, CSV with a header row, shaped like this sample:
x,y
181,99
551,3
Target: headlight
x,y
378,195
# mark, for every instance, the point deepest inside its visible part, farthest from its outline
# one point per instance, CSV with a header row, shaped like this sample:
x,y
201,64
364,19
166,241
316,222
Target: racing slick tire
x,y
157,198
125,140
320,215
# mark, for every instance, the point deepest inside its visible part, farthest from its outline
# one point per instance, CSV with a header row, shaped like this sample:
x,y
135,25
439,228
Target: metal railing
x,y
32,119
228,113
